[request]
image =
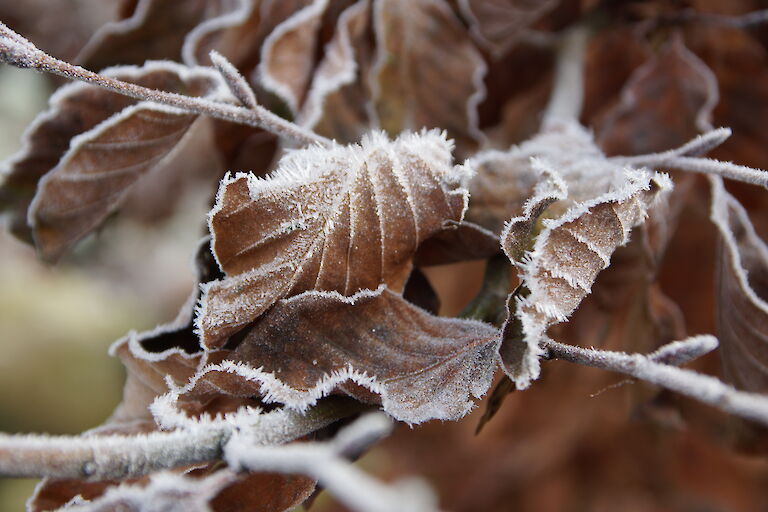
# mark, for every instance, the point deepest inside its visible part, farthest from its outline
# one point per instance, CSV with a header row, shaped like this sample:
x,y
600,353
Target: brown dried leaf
x,y
240,40
498,24
74,109
742,288
222,15
166,491
505,180
100,165
567,256
502,184
665,103
288,55
423,367
204,489
517,232
336,103
427,72
264,492
341,219
155,30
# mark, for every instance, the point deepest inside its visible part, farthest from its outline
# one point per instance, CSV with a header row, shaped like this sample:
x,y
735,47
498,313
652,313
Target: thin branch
x,y
568,94
19,52
700,145
235,81
686,158
117,457
704,388
704,166
325,463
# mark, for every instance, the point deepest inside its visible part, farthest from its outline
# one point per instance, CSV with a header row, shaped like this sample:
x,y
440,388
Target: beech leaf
x,y
567,255
423,367
427,72
506,180
742,288
78,137
288,55
665,102
336,102
94,175
223,15
155,30
343,219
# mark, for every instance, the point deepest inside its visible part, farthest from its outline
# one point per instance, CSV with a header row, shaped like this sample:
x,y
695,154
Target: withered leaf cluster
x,y
445,145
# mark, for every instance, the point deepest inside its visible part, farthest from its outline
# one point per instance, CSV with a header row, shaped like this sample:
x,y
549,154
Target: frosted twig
x,y
19,52
698,146
235,81
686,158
117,457
325,463
568,94
704,166
704,388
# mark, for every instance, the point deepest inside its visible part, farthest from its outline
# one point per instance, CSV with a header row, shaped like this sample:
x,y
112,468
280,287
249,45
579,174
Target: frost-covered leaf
x,y
505,180
497,24
343,219
239,33
427,71
222,15
567,255
742,309
336,102
92,113
204,489
517,232
154,30
288,55
165,492
666,102
100,164
372,343
502,183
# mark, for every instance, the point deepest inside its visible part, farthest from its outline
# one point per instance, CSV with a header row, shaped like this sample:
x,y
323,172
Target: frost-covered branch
x,y
686,158
653,368
568,91
117,457
19,52
326,463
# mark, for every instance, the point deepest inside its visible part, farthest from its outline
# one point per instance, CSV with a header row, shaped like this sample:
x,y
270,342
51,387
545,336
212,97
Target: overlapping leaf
x,y
568,254
288,54
666,102
422,366
505,180
91,146
427,71
155,30
742,287
336,104
341,219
